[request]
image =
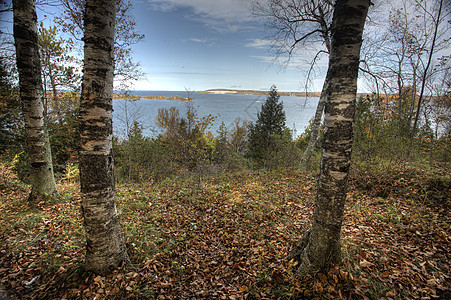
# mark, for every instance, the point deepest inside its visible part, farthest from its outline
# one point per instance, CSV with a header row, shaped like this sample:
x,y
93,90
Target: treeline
x,y
129,96
398,123
256,92
63,130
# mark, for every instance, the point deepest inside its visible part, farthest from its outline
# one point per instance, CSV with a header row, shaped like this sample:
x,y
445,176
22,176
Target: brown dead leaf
x,y
366,264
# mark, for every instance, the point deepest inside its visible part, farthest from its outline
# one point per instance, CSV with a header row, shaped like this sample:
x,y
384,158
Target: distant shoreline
x,y
221,92
255,92
173,98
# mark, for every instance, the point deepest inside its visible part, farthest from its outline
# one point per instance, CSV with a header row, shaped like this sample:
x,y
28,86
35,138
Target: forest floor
x,y
228,237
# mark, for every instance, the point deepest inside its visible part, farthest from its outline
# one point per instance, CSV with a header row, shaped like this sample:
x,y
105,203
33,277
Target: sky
x,y
205,44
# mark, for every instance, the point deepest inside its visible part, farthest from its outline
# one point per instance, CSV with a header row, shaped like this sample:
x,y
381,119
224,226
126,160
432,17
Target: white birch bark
x,y
320,245
31,93
105,244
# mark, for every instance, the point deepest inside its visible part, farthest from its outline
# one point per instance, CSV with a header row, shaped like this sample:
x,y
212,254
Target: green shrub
x,y
72,173
313,163
282,152
186,139
231,145
141,159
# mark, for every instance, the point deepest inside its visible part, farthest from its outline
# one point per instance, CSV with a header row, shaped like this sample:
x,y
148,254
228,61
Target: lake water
x,y
227,108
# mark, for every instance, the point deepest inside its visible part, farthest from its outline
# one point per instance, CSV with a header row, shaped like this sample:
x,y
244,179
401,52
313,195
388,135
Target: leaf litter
x,y
227,237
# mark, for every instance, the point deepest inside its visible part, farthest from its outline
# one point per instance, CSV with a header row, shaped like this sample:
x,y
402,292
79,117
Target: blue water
x,y
227,108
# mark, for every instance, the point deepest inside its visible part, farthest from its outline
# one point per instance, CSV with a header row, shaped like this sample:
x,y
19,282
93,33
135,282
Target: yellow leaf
x,y
390,294
432,282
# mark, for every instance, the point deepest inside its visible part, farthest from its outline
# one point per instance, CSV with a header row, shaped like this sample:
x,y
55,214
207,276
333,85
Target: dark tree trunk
x,y
320,245
30,82
105,244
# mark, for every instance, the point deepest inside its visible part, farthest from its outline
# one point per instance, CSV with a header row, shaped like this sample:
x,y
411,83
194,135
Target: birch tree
x,y
300,24
320,244
105,244
30,82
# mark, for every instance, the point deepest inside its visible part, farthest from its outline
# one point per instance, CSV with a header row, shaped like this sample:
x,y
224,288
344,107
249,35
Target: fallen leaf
x,y
366,264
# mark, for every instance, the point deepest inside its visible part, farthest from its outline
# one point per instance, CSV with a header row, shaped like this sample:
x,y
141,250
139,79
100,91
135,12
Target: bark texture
x,y
105,244
320,245
30,82
316,126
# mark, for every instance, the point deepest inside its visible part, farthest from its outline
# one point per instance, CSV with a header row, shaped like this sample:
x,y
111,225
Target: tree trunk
x,y
320,245
423,82
30,82
105,244
316,126
56,104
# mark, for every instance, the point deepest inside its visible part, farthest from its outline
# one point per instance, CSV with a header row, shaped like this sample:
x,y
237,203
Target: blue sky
x,y
203,44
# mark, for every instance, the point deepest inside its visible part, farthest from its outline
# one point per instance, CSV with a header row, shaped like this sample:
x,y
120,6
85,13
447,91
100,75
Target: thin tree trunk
x,y
423,83
320,245
413,93
30,82
316,126
105,244
56,103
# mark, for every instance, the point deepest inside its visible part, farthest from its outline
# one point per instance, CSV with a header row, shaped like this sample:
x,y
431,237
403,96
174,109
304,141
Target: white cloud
x,y
205,42
294,63
265,59
219,14
258,43
202,41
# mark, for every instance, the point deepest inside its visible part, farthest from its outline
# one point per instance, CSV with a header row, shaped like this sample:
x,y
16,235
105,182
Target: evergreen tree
x,y
222,144
11,121
58,71
269,126
271,119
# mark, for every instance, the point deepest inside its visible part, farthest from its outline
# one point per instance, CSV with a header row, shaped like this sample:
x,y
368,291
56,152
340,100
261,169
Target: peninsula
x,y
256,92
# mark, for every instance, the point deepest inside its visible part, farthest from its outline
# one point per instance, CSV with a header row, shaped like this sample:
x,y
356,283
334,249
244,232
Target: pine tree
x,y
271,119
270,124
11,121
